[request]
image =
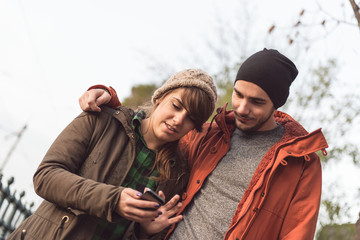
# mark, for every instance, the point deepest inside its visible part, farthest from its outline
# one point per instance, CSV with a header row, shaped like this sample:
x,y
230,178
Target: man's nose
x,y
243,107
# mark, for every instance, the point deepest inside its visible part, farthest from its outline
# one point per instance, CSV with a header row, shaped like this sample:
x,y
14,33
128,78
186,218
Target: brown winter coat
x,y
81,174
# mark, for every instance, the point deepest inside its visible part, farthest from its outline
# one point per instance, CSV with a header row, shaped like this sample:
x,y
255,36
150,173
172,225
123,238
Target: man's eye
x,y
258,103
239,95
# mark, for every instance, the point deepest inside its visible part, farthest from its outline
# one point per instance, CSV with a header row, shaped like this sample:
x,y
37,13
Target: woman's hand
x,y
131,207
93,98
165,219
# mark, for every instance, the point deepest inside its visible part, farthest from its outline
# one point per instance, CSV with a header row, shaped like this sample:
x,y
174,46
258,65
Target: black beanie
x,y
271,71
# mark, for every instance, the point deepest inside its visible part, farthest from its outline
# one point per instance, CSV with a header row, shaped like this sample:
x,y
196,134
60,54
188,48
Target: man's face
x,y
254,110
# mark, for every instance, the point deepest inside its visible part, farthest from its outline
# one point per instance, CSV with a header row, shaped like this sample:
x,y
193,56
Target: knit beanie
x,y
189,78
271,71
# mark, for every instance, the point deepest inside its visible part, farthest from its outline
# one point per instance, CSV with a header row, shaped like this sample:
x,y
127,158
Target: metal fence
x,y
12,208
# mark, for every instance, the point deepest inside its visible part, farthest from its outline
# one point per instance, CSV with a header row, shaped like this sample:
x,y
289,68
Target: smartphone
x,y
150,195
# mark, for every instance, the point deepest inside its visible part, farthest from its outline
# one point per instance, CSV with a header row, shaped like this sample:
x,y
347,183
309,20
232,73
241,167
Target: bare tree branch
x,y
356,8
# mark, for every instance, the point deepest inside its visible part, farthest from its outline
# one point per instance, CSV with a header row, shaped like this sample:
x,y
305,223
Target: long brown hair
x,y
198,105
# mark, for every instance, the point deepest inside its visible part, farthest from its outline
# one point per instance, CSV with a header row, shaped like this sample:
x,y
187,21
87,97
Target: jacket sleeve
x,y
57,179
114,100
301,218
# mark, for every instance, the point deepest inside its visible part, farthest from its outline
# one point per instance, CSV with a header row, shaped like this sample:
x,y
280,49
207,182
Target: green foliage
x,y
140,94
334,210
336,232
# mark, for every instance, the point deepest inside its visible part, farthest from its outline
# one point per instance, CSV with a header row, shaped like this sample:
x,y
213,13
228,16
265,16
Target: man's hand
x,y
92,99
131,207
165,219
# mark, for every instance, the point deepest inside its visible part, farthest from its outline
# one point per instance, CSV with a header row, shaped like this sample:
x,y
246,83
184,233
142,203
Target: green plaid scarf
x,y
137,178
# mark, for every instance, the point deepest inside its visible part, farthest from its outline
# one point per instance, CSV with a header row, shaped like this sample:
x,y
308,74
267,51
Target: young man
x,y
254,170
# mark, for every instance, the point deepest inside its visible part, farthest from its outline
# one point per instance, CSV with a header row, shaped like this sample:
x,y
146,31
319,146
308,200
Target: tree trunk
x,y
357,229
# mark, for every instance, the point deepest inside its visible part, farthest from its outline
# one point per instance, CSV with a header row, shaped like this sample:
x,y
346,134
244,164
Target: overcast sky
x,y
51,51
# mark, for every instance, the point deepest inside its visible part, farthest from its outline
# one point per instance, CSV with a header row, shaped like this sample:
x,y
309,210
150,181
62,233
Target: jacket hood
x,y
225,120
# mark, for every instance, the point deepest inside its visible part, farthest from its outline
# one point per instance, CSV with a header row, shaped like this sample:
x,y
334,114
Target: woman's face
x,y
169,121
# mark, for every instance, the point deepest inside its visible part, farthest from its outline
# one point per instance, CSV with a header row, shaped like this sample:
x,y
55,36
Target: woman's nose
x,y
178,119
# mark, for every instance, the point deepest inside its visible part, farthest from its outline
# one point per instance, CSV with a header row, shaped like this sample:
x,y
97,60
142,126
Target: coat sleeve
x,y
114,100
301,218
57,179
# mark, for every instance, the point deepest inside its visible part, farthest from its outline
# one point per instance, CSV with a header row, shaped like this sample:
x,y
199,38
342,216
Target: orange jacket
x,y
283,197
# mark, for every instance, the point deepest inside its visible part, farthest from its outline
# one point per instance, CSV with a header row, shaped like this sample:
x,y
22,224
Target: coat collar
x,y
294,132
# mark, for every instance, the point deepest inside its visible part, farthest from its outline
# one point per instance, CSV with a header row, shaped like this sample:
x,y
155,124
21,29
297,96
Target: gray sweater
x,y
211,212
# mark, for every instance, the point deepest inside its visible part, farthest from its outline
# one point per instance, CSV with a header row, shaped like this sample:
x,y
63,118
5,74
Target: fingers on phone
x,y
161,194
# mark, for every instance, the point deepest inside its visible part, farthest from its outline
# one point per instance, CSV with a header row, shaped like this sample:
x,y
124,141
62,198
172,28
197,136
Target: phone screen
x,y
152,196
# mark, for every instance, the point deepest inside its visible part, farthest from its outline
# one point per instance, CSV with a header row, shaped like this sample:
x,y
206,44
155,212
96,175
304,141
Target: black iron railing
x,y
12,208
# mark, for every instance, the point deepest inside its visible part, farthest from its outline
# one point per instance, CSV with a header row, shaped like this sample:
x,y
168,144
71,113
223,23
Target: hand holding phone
x,y
167,217
150,195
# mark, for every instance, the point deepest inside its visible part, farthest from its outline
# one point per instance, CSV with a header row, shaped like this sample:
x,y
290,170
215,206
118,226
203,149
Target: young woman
x,y
94,173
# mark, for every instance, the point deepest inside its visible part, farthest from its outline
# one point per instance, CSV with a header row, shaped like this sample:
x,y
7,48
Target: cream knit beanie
x,y
189,78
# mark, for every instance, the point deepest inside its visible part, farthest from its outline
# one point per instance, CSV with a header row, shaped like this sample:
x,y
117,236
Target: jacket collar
x,y
294,132
225,120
